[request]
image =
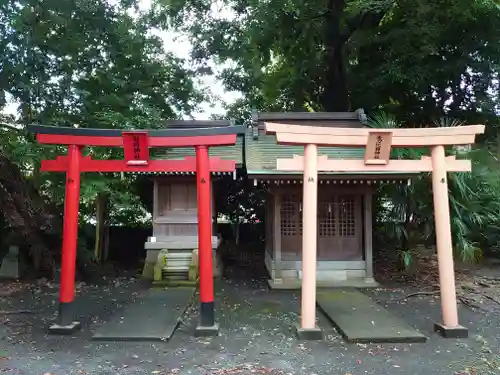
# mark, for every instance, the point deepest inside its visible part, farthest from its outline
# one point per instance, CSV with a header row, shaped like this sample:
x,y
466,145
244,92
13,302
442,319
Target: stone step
x,y
178,263
175,276
175,268
180,255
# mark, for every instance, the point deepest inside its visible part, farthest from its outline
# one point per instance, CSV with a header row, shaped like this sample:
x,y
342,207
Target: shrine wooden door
x,y
339,226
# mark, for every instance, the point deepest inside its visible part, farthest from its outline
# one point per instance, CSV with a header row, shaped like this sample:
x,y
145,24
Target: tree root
x,y
491,278
17,312
421,294
487,296
467,301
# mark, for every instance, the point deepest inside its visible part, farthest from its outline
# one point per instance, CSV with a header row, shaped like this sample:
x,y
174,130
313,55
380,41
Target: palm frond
x,y
445,122
474,200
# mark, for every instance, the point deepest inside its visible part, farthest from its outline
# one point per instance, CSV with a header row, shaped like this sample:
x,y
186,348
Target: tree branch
x,y
361,21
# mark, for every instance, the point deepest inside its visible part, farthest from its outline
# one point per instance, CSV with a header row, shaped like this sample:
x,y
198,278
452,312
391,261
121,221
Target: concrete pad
x,y
10,264
360,320
57,329
174,283
296,284
154,316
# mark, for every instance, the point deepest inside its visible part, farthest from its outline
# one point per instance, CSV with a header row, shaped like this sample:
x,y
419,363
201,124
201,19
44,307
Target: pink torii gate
x,y
378,144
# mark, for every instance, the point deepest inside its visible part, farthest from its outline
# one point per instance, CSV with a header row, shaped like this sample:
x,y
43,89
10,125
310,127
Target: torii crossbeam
x,y
136,146
378,144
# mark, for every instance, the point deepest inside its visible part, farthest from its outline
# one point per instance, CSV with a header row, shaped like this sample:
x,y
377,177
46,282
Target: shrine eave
x,y
90,132
334,178
335,182
181,173
329,175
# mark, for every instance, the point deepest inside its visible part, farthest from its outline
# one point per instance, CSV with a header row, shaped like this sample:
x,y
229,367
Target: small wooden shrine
x,y
344,232
175,221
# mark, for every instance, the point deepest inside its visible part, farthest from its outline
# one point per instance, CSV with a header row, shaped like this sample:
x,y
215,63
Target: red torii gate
x,y
136,146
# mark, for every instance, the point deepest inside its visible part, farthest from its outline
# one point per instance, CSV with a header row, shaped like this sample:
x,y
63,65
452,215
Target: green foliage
x,y
474,203
239,200
81,63
407,258
419,60
91,64
425,59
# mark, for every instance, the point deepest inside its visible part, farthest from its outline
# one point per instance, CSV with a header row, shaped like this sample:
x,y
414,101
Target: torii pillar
x,y
207,325
307,329
66,322
449,327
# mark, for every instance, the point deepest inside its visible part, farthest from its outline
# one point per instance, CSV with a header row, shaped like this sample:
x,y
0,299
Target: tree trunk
x,y
498,145
101,211
335,97
106,241
33,222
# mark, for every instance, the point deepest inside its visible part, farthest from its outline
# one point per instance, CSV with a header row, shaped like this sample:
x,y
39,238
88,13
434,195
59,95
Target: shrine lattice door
x,y
291,225
339,226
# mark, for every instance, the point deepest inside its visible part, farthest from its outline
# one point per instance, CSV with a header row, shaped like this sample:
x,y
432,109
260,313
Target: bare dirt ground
x,y
256,333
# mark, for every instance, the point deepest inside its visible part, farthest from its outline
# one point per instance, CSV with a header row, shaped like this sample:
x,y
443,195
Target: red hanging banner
x,y
136,148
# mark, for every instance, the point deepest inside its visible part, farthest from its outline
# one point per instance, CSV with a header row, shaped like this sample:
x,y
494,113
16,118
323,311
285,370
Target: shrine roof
x,y
262,150
196,124
233,152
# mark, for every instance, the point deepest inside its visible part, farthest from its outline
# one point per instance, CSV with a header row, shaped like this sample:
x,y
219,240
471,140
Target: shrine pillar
x,y
308,329
207,325
66,323
450,326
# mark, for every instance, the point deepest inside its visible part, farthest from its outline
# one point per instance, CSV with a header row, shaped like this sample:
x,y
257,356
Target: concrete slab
x,y
296,284
154,316
65,330
10,264
361,320
174,283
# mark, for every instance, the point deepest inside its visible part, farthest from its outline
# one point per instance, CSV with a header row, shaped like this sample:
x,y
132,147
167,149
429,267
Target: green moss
x,y
192,273
193,267
160,264
148,270
270,307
